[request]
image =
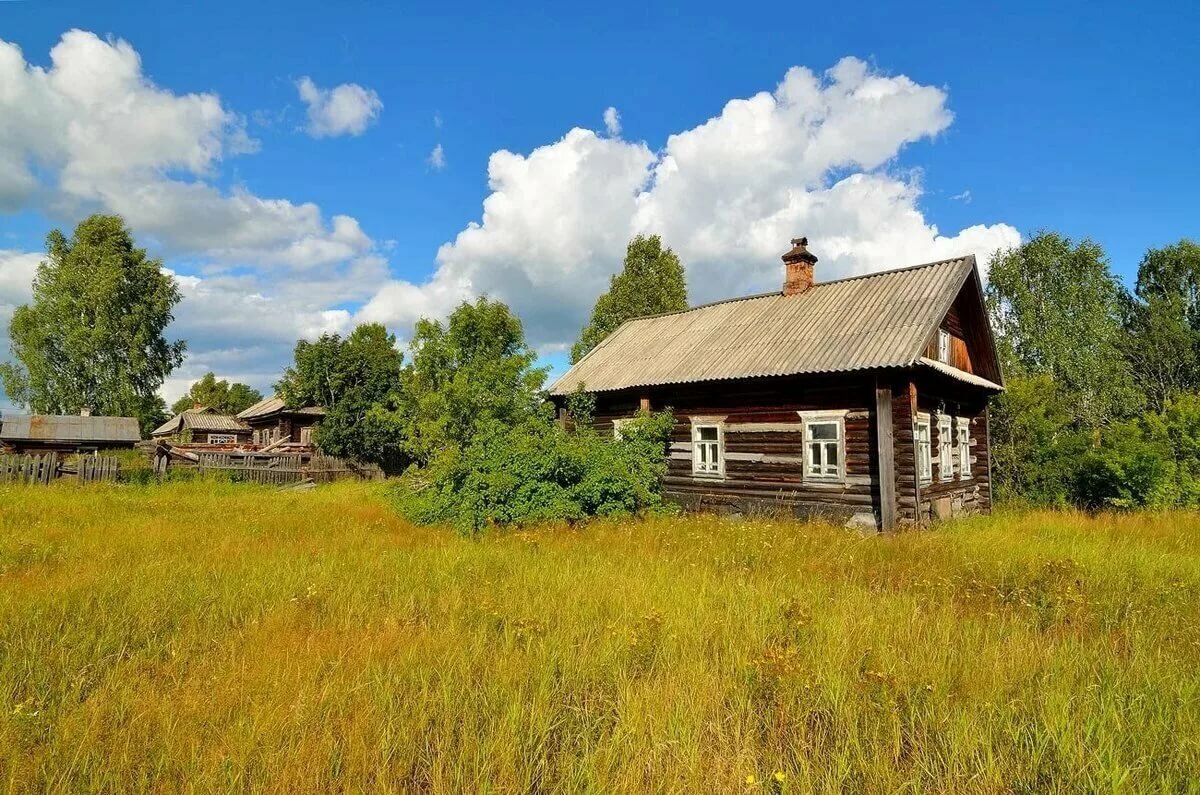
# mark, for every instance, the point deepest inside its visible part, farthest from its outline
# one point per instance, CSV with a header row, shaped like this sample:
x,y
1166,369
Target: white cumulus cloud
x,y
809,158
347,109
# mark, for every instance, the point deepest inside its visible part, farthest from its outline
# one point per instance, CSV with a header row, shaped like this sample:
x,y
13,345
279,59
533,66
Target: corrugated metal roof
x,y
272,405
201,419
55,428
879,320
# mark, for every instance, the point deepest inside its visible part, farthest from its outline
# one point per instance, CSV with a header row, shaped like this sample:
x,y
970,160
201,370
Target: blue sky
x,y
1080,118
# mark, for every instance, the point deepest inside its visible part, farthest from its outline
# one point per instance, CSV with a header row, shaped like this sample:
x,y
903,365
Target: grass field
x,y
210,636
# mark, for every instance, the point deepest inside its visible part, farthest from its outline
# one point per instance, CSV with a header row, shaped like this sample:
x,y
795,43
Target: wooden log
x,y
887,459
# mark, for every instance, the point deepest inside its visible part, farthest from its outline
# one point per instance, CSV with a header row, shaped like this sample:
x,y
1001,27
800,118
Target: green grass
x,y
205,636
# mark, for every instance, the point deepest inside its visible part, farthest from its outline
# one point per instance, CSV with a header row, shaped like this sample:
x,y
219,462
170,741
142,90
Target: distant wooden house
x,y
863,399
44,433
271,421
203,425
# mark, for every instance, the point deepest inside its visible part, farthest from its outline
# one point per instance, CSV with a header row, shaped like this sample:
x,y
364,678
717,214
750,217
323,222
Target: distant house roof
x,y
275,405
55,428
879,320
203,418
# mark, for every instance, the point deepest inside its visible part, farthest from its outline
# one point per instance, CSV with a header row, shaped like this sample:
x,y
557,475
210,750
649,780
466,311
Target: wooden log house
x,y
863,400
271,421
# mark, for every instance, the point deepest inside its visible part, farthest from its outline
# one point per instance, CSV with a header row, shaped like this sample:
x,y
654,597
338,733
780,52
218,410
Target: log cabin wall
x,y
763,446
281,425
954,494
763,440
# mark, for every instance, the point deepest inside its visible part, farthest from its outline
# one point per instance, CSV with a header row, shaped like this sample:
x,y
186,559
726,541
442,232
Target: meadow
x,y
210,637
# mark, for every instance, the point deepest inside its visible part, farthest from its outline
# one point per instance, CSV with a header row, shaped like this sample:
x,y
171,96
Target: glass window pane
x,y
702,453
823,430
831,455
708,433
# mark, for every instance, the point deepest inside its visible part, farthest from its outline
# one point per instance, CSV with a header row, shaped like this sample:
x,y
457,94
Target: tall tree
x,y
1162,323
94,336
651,281
348,377
1056,308
473,369
217,394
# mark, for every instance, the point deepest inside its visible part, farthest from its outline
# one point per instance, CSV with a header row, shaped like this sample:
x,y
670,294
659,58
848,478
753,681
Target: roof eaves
x,y
960,375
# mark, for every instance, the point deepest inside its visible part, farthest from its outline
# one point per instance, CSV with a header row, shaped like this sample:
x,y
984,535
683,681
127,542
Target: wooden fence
x,y
50,466
270,468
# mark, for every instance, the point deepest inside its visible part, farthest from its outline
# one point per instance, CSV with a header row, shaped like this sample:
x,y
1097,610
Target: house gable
x,y
972,347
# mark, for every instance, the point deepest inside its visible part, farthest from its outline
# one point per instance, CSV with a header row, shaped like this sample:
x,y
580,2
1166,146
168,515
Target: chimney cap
x,y
800,252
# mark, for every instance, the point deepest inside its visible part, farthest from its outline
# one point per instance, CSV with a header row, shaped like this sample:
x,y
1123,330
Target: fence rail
x,y
46,467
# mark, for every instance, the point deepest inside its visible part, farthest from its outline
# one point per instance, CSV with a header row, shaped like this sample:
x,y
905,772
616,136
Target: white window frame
x,y
923,448
706,469
837,418
943,346
306,434
963,446
946,450
222,438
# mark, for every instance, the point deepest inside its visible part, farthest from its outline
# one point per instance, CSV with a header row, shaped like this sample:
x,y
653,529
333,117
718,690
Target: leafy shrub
x,y
1150,462
1126,471
537,472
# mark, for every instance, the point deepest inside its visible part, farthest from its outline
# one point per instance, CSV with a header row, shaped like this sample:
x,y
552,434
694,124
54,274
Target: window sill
x,y
708,475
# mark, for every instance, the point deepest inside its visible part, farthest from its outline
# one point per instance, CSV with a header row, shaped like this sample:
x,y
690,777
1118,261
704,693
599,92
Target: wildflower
x,y
780,776
750,779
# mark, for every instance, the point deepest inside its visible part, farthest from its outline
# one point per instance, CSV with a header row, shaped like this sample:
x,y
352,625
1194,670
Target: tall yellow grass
x,y
203,636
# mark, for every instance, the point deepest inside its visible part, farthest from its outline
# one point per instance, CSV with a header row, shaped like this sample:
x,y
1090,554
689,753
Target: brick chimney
x,y
798,268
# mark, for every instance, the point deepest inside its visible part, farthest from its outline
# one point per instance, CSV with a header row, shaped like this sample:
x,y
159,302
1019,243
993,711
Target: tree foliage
x,y
1162,324
217,394
651,281
348,377
474,369
1101,408
1056,309
94,335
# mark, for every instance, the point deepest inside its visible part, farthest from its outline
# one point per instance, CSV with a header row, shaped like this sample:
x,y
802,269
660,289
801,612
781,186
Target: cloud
x,y
437,158
17,269
93,133
347,109
612,122
964,197
811,157
437,120
815,156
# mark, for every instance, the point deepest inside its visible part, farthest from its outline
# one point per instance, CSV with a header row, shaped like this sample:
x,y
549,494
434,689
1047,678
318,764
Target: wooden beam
x,y
277,443
887,457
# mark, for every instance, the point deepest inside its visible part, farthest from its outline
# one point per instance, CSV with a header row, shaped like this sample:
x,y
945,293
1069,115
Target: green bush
x,y
538,472
1150,462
